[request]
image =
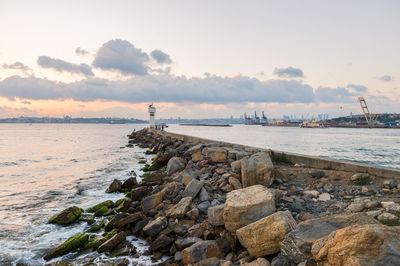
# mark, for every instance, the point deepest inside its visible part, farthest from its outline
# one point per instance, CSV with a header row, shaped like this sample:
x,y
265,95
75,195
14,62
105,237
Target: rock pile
x,y
220,204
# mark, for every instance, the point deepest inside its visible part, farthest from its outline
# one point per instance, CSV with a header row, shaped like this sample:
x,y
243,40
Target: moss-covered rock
x,y
118,202
142,161
96,227
95,243
145,174
67,216
103,211
73,243
107,203
111,234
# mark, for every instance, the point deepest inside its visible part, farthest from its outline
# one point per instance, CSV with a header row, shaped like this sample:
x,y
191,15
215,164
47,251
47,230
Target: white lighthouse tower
x,y
152,112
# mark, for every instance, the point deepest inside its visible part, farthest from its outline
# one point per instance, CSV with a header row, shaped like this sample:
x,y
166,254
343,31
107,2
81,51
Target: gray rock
x,y
175,164
182,243
129,183
192,189
296,245
156,226
115,186
112,242
203,207
235,182
203,196
200,251
317,174
161,242
215,215
139,193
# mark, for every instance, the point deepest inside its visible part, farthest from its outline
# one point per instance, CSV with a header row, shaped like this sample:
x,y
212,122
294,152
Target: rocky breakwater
x,y
222,204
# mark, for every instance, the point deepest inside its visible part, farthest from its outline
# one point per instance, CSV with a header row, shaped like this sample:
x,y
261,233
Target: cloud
x,y
358,88
26,102
334,95
81,52
289,72
161,88
7,112
120,55
61,65
386,78
161,57
17,65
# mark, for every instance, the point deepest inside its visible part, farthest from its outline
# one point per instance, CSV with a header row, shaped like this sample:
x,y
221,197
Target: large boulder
x,y
67,216
129,183
257,169
175,164
297,244
179,209
195,151
152,201
70,245
156,226
247,205
139,193
265,236
216,154
371,244
200,251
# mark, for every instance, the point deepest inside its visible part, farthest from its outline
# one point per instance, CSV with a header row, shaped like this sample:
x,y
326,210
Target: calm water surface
x,y
45,168
380,147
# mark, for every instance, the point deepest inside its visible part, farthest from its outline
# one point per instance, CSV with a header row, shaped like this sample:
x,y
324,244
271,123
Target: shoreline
x,y
187,206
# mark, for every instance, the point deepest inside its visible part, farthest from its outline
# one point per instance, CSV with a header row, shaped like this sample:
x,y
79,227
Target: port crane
x,y
368,117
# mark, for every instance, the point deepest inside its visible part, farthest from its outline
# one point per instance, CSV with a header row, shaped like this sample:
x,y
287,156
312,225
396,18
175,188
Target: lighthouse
x,y
152,112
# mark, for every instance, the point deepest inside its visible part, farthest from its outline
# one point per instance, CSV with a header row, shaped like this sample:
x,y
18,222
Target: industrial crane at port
x,y
368,117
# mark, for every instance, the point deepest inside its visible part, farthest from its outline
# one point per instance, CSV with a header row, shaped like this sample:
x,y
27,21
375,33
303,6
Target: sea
x,y
45,168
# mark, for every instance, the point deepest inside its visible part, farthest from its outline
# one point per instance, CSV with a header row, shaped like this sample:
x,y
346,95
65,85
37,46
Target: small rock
x,y
203,207
216,155
388,218
390,183
139,193
324,197
371,204
151,201
193,214
179,209
161,242
235,182
356,206
236,166
317,174
182,243
67,216
203,196
258,262
215,215
156,226
200,251
192,189
313,193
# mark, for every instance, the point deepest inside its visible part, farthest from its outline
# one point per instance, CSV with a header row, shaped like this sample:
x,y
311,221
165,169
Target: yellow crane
x,y
368,117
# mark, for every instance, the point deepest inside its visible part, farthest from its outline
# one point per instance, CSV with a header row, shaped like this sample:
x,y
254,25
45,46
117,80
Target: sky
x,y
198,59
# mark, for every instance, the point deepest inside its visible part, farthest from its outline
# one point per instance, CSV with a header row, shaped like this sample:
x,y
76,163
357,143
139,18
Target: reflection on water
x,y
380,147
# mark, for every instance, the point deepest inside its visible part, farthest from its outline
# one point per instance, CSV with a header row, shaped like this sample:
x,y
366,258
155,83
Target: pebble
x,y
324,197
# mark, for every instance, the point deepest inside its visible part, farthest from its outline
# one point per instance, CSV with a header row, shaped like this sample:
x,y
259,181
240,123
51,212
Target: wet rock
x,y
265,236
128,220
129,183
192,189
67,216
247,205
177,228
139,193
175,164
371,244
203,195
179,209
216,155
124,205
200,251
257,169
161,241
70,245
115,186
151,201
156,226
317,174
112,242
215,215
139,225
110,225
296,246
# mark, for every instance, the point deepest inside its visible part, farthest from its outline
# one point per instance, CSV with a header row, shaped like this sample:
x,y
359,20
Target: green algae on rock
x,y
71,244
107,204
67,216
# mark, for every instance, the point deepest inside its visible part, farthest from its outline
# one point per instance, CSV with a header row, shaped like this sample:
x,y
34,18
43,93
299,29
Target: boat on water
x,y
312,124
